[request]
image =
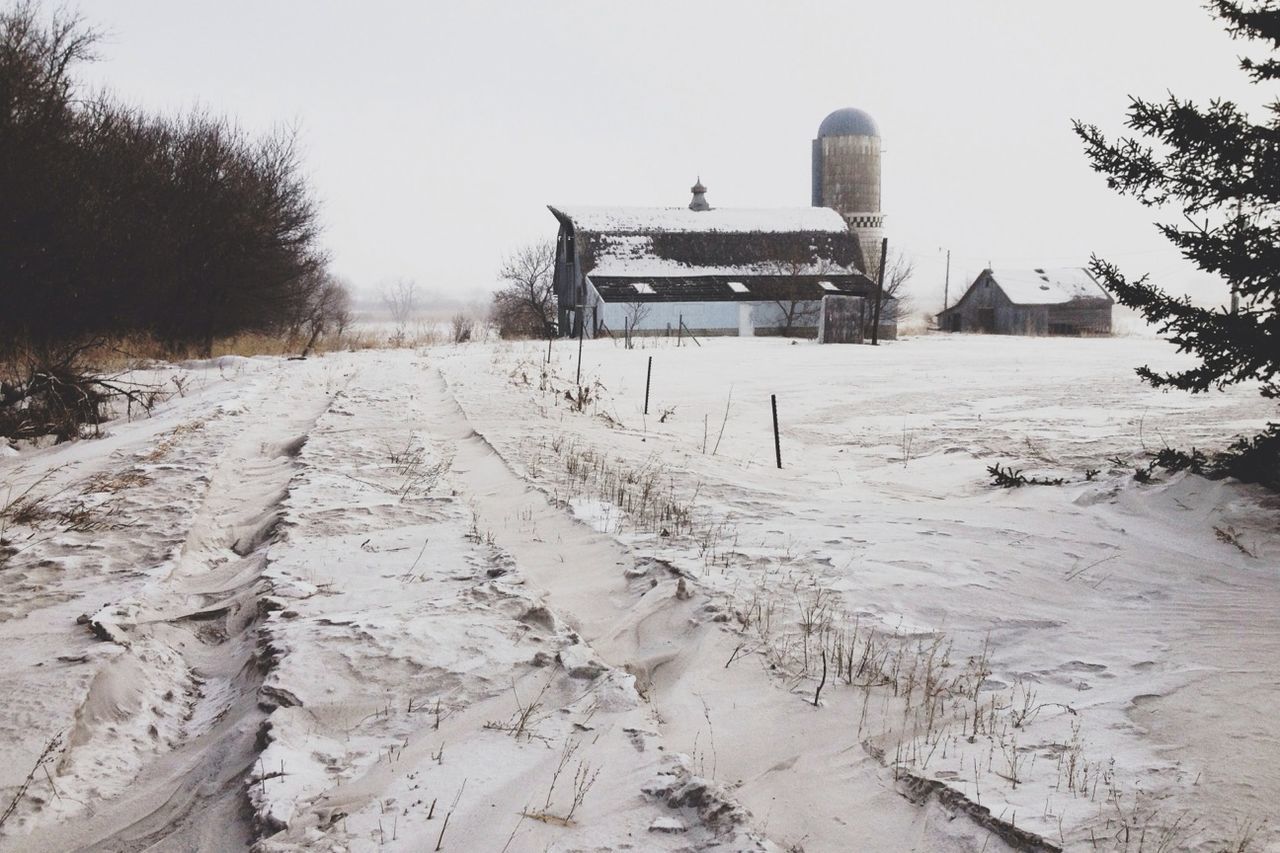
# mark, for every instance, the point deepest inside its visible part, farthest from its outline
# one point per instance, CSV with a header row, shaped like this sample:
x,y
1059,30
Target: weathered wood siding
x,y
842,320
567,278
985,308
1081,317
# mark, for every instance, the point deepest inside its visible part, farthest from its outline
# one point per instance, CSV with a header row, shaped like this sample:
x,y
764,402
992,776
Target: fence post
x,y
582,328
777,442
648,374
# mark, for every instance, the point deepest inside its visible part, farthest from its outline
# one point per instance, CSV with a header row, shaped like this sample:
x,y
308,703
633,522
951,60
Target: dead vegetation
x,y
584,778
32,514
46,757
525,719
57,392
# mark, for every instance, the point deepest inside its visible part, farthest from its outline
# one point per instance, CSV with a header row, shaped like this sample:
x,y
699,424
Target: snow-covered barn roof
x,y
736,220
656,242
1048,286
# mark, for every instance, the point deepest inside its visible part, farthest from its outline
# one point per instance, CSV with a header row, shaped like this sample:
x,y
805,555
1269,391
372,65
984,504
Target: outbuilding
x,y
1065,301
717,271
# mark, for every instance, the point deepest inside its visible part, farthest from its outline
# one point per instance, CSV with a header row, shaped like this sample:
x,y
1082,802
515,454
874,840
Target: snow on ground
x,y
1109,608
400,600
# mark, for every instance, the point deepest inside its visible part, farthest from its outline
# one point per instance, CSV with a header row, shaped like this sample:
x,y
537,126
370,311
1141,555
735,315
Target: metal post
x,y
549,337
648,374
680,330
875,327
777,442
582,327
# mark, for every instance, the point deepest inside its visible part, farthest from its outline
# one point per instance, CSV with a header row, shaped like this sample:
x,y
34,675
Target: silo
x,y
846,177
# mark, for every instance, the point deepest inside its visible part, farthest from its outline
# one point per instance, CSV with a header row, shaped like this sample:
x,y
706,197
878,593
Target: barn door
x,y
746,328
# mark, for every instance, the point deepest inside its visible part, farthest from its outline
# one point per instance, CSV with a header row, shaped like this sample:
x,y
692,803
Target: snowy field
x,y
442,599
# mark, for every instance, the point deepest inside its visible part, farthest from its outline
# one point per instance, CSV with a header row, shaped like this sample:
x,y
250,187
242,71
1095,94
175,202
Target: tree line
x,y
115,221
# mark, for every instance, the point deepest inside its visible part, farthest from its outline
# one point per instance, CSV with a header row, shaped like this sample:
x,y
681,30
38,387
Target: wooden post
x,y
875,327
777,442
648,374
549,337
582,327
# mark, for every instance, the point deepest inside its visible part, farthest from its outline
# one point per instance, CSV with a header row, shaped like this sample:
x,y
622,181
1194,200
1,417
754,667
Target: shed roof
x,y
718,288
1048,286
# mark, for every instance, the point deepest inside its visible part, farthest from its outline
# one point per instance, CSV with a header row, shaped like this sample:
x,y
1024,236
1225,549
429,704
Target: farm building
x,y
1032,302
731,271
718,271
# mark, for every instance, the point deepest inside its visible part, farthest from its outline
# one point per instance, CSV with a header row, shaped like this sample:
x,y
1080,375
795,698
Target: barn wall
x,y
1020,319
711,318
567,279
1082,317
705,317
984,308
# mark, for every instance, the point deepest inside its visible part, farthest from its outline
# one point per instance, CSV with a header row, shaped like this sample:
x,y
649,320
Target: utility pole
x,y
875,323
946,284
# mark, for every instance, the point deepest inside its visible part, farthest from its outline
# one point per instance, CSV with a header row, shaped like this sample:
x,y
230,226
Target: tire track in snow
x,y
401,629
636,620
185,680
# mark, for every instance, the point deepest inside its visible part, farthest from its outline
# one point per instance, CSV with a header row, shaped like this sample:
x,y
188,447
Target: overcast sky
x,y
437,133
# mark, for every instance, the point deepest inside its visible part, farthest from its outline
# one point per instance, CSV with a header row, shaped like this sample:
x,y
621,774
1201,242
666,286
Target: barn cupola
x,y
699,196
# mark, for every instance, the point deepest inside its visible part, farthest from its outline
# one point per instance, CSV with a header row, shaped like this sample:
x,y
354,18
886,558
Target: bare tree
x,y
897,273
462,327
326,307
798,313
400,298
526,304
636,313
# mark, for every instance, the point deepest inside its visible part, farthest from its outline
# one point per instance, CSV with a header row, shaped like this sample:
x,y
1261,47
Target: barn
x,y
712,271
1032,302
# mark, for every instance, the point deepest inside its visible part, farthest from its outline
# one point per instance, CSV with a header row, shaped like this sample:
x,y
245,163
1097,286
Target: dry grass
x,y
133,351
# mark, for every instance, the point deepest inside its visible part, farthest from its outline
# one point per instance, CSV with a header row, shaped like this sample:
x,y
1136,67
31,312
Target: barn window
x,y
642,287
738,287
826,285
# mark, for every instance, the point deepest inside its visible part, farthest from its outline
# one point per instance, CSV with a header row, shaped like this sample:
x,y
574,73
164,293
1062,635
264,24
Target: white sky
x,y
436,132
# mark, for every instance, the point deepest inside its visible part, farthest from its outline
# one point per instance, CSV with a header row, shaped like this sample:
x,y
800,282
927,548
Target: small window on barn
x,y
642,287
826,285
738,287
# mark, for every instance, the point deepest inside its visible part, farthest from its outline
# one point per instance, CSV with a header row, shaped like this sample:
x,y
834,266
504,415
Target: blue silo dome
x,y
848,122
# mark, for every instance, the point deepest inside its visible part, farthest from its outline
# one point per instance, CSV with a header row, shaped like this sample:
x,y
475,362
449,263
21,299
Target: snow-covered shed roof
x,y
721,288
1048,286
736,220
